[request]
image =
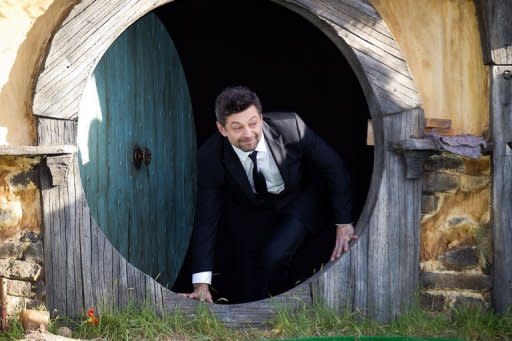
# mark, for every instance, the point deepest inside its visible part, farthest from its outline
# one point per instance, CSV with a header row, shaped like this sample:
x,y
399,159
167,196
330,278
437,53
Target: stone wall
x,y
21,248
456,234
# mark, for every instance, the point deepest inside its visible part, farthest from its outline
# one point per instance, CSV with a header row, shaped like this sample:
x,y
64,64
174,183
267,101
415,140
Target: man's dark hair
x,y
233,100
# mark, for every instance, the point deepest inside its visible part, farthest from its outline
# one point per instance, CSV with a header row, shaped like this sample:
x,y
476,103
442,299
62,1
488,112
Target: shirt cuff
x,y
202,277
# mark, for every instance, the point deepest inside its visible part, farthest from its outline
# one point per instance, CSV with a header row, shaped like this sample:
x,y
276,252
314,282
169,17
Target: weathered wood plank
x,y
116,278
59,168
375,58
359,270
85,235
48,235
384,263
501,130
123,290
350,12
74,298
394,224
421,144
37,150
332,287
132,283
107,267
438,123
54,220
415,151
494,16
77,47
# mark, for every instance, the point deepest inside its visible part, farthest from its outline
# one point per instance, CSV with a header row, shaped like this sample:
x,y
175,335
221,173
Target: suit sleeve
x,y
327,163
207,214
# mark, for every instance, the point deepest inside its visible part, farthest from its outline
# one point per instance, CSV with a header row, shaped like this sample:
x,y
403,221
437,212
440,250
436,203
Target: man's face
x,y
243,129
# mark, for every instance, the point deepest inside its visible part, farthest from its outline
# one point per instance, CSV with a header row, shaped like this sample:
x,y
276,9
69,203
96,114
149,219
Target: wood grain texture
x,y
501,130
494,17
138,96
37,150
438,123
393,245
380,274
369,47
377,277
76,48
59,168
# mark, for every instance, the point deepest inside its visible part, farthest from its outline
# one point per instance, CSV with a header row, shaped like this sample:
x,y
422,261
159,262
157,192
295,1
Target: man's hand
x,y
201,293
344,234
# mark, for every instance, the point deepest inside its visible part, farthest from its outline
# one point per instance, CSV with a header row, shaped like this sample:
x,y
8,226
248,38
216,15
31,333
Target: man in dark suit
x,y
265,183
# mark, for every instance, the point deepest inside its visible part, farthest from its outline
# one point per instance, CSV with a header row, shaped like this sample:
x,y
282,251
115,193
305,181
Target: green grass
x,y
143,323
466,324
15,331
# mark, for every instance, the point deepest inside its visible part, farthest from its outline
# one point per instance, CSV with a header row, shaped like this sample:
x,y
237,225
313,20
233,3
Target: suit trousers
x,y
258,244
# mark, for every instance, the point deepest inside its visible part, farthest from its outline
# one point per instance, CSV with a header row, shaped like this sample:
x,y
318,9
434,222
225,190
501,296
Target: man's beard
x,y
242,144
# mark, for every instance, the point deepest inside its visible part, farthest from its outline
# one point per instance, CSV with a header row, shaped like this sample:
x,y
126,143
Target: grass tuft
x,y
144,323
15,331
464,323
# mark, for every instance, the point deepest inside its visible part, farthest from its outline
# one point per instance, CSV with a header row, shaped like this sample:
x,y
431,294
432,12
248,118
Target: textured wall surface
x,y
26,26
19,196
21,248
456,234
441,41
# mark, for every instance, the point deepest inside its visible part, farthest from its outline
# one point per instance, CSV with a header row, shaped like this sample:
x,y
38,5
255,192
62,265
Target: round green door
x,y
137,149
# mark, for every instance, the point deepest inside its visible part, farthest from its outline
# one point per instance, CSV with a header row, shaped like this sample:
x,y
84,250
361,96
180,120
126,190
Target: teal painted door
x,y
138,96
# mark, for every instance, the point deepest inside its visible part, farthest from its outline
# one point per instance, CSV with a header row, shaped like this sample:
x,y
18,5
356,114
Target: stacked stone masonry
x,y
21,247
456,234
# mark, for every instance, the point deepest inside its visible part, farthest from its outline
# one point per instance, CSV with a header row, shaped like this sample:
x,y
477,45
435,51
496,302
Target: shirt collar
x,y
260,147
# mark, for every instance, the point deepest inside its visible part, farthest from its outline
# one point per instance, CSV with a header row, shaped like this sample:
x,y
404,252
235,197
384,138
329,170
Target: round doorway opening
x,y
292,66
85,270
137,106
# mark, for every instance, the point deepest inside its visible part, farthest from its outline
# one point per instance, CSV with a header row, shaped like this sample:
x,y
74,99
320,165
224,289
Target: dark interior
x,y
291,65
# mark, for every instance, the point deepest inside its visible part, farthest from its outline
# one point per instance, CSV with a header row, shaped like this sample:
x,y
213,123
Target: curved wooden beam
x,y
90,28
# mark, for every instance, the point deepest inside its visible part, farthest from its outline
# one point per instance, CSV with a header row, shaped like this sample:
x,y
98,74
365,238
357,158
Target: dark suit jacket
x,y
224,190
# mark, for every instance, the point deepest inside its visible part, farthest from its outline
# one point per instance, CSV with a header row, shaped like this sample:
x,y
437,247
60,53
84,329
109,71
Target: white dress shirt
x,y
275,184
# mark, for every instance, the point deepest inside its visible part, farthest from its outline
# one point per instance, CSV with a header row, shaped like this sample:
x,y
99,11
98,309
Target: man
x,y
265,183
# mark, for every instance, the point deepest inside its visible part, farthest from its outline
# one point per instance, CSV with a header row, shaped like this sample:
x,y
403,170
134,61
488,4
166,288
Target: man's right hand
x,y
201,293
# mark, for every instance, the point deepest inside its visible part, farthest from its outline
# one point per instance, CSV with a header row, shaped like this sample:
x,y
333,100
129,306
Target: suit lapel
x,y
276,145
234,166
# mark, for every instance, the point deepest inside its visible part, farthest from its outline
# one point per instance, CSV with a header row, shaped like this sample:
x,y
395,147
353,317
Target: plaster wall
x,y
26,27
441,41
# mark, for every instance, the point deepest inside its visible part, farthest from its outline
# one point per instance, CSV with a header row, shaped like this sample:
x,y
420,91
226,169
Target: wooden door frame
x,y
496,37
378,277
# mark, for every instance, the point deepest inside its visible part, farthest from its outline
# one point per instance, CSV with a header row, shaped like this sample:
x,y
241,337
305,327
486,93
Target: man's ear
x,y
221,129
